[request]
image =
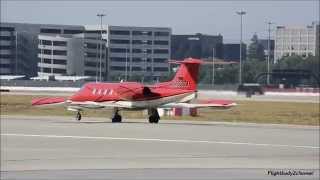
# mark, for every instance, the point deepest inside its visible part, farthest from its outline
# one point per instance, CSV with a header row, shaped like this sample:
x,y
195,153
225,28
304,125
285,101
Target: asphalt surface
x,y
61,148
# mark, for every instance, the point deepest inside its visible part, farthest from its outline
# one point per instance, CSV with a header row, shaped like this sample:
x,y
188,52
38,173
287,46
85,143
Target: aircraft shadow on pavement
x,y
141,122
167,122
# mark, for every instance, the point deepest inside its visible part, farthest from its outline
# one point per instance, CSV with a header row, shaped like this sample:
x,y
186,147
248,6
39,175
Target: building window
x,y
136,59
161,33
6,56
142,51
6,47
160,69
118,68
148,33
5,66
96,31
116,32
141,42
137,51
46,70
119,41
159,60
149,51
46,51
59,52
136,68
161,51
70,31
59,43
117,50
59,61
93,55
91,45
90,73
46,42
51,31
119,59
60,71
92,64
161,42
47,61
6,38
6,28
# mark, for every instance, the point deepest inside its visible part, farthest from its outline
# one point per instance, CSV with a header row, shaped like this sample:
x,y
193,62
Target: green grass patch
x,y
246,111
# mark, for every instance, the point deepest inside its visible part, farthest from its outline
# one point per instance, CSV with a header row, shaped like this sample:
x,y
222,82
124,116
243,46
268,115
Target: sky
x,y
184,17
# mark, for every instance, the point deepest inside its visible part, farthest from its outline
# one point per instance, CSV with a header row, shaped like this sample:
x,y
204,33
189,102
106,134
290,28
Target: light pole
x,y
16,58
213,67
241,13
268,61
126,72
100,53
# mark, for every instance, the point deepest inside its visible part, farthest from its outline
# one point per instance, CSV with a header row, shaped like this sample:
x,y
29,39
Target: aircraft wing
x,y
214,103
48,101
51,101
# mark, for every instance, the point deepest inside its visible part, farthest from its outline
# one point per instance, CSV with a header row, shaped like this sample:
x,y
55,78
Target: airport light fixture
x,y
100,49
240,13
213,54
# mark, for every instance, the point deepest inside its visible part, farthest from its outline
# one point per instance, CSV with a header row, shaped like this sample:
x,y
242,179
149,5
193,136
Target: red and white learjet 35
x,y
179,92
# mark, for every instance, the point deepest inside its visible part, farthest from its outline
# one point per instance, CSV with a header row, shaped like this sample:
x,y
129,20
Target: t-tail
x,y
186,76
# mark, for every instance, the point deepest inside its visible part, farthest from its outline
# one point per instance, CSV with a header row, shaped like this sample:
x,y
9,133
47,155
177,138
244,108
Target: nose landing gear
x,y
78,116
116,116
153,115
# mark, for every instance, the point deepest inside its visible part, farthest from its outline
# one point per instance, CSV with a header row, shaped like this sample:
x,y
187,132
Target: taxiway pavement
x,y
95,148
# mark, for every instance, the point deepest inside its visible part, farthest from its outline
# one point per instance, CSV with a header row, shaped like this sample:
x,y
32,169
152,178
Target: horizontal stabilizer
x,y
213,103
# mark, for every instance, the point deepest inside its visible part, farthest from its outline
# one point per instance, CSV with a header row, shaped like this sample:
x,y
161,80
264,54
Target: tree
x,y
251,69
256,50
311,63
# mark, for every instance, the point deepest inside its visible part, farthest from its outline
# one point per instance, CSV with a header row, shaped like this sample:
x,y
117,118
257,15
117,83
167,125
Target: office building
x,y
17,49
138,52
196,46
231,52
76,50
302,41
264,43
72,55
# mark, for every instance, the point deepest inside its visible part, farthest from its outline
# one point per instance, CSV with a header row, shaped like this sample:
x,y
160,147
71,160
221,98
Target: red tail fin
x,y
187,74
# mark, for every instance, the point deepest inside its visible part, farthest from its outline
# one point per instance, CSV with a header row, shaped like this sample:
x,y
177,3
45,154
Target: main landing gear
x,y
152,112
116,116
78,116
153,115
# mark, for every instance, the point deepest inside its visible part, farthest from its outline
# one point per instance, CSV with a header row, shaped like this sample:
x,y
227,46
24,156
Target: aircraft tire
x,y
78,117
150,119
153,119
116,118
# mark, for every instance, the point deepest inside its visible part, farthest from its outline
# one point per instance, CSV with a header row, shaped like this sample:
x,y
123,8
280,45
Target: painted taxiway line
x,y
162,140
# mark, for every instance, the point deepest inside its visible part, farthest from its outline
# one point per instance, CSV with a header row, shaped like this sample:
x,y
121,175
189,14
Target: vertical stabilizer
x,y
187,74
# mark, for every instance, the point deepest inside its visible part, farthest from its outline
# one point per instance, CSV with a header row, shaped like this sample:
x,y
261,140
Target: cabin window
x,y
94,91
99,91
105,92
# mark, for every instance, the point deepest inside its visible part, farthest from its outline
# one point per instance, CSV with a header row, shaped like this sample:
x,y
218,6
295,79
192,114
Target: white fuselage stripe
x,y
138,104
163,140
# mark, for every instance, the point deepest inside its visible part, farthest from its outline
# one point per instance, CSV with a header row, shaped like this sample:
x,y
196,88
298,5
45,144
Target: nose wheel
x,y
78,116
116,116
154,115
